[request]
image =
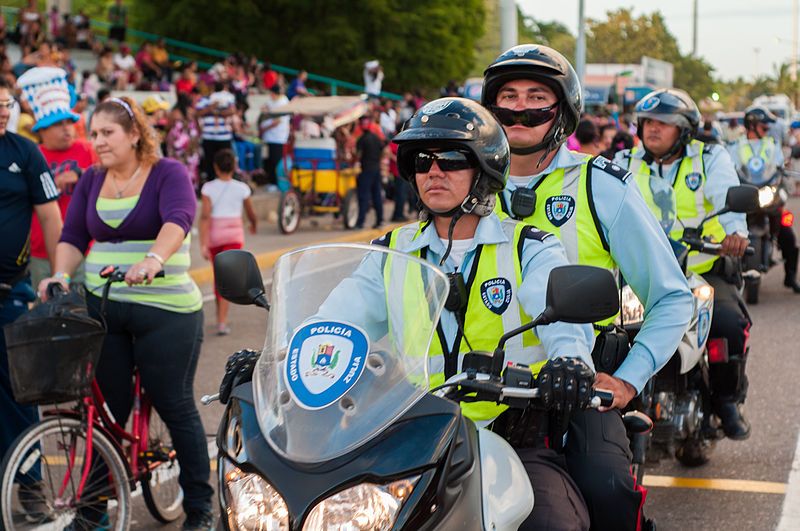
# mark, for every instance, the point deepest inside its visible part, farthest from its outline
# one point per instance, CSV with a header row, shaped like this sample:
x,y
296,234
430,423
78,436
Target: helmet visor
x,y
526,117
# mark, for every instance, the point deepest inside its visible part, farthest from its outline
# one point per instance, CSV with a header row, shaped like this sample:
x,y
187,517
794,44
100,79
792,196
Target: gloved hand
x,y
565,385
238,369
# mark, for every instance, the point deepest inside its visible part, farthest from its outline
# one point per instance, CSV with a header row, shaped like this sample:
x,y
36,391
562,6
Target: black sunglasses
x,y
526,117
453,160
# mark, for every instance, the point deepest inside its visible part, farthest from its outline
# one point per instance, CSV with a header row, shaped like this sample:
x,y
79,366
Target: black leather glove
x,y
565,385
238,370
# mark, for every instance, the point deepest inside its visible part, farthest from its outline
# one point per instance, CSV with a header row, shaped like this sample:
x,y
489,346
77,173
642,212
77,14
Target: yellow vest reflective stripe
x,y
495,270
691,202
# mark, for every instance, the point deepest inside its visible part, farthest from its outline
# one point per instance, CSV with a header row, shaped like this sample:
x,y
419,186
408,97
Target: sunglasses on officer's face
x,y
526,117
453,160
8,104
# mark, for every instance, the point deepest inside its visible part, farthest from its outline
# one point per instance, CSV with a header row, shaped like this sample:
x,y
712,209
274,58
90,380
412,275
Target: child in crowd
x,y
221,227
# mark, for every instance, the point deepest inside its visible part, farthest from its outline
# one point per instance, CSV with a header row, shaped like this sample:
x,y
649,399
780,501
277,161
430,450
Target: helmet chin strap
x,y
676,148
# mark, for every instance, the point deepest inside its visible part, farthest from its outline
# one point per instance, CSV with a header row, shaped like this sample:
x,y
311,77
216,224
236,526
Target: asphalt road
x,y
762,463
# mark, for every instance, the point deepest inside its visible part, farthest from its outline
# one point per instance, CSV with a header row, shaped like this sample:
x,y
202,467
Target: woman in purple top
x,y
138,209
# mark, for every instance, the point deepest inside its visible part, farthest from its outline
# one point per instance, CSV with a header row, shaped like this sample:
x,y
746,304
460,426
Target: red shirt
x,y
184,85
81,156
269,78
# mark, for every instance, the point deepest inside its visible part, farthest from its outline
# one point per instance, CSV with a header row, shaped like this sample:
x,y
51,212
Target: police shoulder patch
x,y
610,168
384,240
708,148
532,233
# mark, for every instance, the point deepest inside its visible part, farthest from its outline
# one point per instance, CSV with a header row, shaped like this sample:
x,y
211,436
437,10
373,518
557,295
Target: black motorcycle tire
x,y
694,451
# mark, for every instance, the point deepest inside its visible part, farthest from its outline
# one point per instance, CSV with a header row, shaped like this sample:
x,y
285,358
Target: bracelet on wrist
x,y
157,257
60,275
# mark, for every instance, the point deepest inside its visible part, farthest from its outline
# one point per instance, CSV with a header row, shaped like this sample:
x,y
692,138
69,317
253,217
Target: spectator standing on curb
x,y
118,18
221,227
214,113
369,150
46,90
373,78
274,132
26,186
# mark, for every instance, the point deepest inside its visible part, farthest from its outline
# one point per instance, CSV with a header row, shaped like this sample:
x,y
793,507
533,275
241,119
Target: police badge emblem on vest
x,y
559,209
496,294
693,181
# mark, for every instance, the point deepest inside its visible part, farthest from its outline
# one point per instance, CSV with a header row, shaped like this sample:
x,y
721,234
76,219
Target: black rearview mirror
x,y
581,294
742,199
238,279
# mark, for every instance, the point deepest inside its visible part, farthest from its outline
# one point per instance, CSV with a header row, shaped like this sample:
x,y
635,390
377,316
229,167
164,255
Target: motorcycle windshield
x,y
661,199
346,347
757,173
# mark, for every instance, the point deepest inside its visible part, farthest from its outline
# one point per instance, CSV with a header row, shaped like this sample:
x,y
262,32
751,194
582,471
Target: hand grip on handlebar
x,y
749,251
54,289
601,398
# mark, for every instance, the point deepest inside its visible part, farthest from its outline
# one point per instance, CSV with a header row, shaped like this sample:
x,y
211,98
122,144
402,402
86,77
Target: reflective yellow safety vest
x,y
766,155
690,199
565,208
492,309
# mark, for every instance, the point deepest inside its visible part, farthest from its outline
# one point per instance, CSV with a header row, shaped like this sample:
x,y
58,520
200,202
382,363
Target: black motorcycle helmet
x,y
756,114
671,106
546,65
464,124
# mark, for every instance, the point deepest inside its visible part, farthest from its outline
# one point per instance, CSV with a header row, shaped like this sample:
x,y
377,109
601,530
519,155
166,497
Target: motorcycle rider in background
x,y
758,152
602,220
455,156
701,175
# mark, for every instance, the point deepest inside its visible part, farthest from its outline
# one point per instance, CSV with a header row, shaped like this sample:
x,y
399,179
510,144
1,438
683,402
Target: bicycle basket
x,y
53,351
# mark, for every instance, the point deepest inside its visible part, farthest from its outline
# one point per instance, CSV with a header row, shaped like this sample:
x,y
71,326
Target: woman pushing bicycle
x,y
139,209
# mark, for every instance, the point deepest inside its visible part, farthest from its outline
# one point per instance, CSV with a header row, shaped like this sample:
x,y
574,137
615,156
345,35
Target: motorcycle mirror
x,y
742,199
580,294
575,294
238,279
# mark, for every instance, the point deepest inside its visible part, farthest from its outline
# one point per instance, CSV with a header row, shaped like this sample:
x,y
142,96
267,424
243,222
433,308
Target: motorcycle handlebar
x,y
712,248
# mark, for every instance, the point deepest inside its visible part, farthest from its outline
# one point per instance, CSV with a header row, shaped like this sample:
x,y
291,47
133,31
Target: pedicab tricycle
x,y
321,181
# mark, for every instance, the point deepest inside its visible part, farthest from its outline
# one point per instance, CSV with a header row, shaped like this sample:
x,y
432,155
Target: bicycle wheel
x,y
162,492
42,473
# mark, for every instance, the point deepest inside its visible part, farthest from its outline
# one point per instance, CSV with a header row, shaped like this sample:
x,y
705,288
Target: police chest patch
x,y
496,294
559,208
693,181
755,164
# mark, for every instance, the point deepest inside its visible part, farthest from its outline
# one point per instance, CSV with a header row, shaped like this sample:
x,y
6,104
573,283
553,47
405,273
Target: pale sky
x,y
729,31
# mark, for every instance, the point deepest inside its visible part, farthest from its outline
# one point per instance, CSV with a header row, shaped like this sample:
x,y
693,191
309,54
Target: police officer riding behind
x,y
602,220
701,175
455,156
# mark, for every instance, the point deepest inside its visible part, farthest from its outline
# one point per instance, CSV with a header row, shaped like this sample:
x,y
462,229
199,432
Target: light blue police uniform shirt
x,y
365,301
720,175
640,248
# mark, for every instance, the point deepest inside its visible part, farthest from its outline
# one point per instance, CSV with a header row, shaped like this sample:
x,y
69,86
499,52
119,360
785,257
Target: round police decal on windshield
x,y
755,164
435,106
693,181
650,103
496,294
325,361
703,326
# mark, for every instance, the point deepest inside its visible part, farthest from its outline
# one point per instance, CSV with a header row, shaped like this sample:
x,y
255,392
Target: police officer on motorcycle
x,y
757,154
455,156
701,175
602,220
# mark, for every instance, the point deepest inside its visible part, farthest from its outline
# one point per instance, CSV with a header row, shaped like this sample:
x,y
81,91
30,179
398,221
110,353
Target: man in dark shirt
x,y
369,150
25,186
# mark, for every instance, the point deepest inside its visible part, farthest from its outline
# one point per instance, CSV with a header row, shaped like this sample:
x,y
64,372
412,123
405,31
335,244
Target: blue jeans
x,y
16,418
368,186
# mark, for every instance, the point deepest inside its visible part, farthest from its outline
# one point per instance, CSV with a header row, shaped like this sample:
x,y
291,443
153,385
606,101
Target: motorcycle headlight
x,y
765,196
365,507
631,310
253,504
703,293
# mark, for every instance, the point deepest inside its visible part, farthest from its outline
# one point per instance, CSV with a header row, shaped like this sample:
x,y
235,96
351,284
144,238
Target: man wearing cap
x,y
602,220
48,94
26,186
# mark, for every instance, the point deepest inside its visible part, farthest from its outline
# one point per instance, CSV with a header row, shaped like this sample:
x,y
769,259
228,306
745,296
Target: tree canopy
x,y
420,43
